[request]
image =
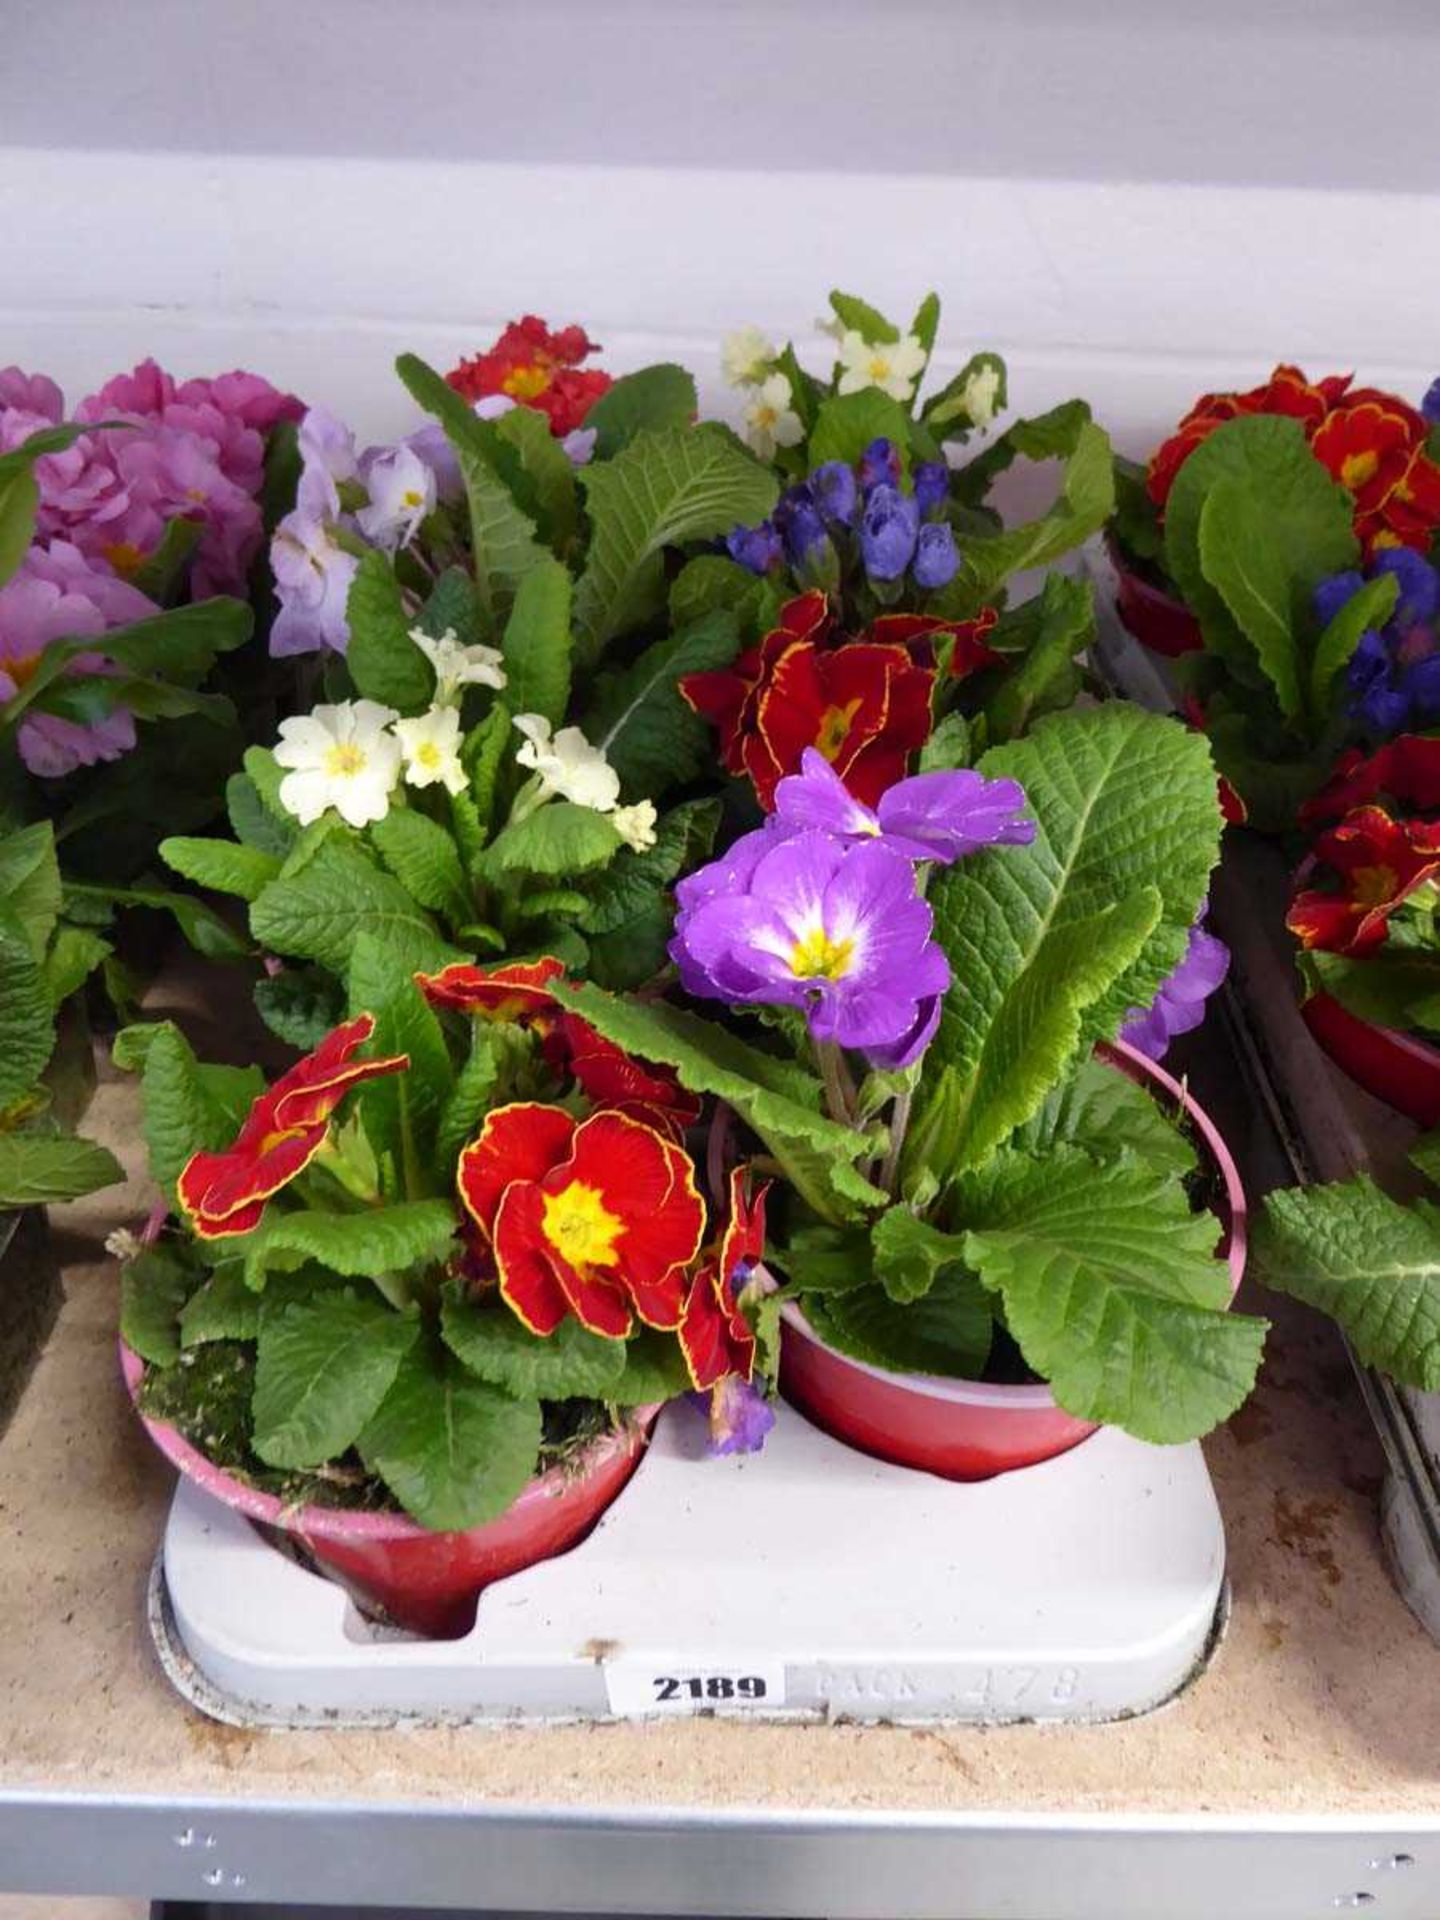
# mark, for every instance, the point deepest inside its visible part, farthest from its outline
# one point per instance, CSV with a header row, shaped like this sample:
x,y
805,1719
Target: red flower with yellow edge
x,y
1410,513
864,705
225,1193
1366,443
614,1080
1407,769
715,1337
1286,392
536,368
599,1218
958,643
516,990
1380,862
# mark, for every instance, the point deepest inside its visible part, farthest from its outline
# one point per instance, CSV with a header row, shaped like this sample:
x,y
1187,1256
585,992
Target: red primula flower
x,y
515,990
598,1218
225,1193
615,1081
1367,443
926,636
536,368
1287,391
1380,861
1406,768
864,704
716,1338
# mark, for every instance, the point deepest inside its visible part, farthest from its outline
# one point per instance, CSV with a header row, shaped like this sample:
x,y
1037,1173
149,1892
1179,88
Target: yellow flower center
x,y
1357,468
524,383
344,760
818,957
835,728
1374,886
580,1227
412,499
125,558
879,366
427,754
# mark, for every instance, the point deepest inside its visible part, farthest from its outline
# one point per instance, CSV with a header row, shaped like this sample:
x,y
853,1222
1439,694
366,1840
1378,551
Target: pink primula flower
x,y
58,593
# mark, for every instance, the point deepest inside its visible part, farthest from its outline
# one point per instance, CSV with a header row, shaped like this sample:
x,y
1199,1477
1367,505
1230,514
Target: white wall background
x,y
1130,198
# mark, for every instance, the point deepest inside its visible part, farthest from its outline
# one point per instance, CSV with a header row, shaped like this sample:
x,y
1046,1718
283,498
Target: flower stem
x,y
899,1123
839,1091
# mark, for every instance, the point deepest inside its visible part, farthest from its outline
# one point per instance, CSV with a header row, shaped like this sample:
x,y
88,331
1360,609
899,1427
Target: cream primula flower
x,y
567,764
343,757
431,746
770,420
892,365
980,394
636,825
746,357
457,667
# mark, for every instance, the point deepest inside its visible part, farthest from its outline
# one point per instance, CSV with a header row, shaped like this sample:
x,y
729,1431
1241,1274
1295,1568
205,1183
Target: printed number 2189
x,y
709,1686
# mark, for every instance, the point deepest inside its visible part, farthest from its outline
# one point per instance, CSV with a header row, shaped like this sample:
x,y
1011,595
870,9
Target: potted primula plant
x,y
415,1303
1363,910
503,766
998,1225
1277,546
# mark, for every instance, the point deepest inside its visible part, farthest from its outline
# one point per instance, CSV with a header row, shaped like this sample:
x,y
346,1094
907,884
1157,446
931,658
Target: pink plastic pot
x,y
1158,621
1398,1068
970,1430
428,1582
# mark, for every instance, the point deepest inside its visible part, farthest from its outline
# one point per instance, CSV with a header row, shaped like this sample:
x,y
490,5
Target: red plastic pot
x,y
963,1429
1398,1068
1158,621
428,1582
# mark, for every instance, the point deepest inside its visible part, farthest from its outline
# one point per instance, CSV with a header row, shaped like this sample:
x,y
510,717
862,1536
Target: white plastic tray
x,y
838,1586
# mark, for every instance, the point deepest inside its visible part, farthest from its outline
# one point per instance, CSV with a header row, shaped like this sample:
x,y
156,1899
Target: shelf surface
x,y
1319,1717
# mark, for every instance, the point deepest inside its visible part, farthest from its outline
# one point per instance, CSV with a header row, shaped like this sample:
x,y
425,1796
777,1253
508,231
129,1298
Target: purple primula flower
x,y
757,549
932,485
912,1043
313,576
432,443
1332,594
836,930
402,492
835,492
1180,1003
880,465
740,1416
937,559
1430,405
578,446
888,531
1419,596
930,816
328,459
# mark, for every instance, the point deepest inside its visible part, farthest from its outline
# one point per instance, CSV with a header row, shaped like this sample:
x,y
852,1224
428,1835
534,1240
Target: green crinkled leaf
x,y
384,662
424,859
1098,1109
948,1331
779,1100
320,911
654,1371
1060,625
825,1259
1372,606
224,1308
485,755
374,1245
559,839
860,317
201,925
630,913
1425,1154
846,424
19,502
540,475
451,608
188,1106
537,644
1252,574
909,1254
454,1451
301,1005
468,1101
265,776
30,882
569,1364
1113,1290
38,1169
502,535
162,575
322,1369
648,401
649,735
1370,1263
711,583
1390,987
1056,941
662,490
221,865
153,1287
74,954
400,1111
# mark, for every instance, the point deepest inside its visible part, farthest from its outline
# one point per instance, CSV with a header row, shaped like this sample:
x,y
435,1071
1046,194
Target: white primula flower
x,y
567,763
431,746
746,356
892,365
343,757
402,492
770,420
636,825
980,393
123,1244
458,667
